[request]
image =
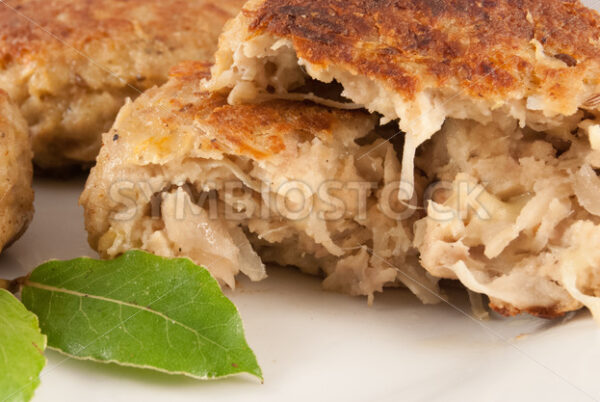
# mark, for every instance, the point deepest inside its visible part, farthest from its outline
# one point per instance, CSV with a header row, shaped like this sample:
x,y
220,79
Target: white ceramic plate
x,y
316,346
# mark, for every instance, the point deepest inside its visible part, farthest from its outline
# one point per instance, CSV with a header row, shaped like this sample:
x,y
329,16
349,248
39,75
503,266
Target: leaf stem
x,y
14,286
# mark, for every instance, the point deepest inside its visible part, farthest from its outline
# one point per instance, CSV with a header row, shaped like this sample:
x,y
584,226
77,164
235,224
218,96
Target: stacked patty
x,y
420,62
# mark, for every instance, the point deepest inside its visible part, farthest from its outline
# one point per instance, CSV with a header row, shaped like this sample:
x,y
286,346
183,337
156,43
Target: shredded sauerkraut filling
x,y
516,216
355,245
267,66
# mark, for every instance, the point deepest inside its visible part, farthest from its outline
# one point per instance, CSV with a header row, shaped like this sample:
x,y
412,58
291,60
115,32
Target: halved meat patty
x,y
16,195
69,65
183,173
420,61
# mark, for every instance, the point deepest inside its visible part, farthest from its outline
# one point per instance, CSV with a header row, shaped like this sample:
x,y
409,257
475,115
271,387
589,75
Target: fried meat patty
x,y
70,65
497,102
183,173
420,61
16,195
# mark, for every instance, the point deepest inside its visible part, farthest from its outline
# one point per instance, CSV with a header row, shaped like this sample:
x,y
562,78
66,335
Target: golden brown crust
x,y
508,310
254,130
485,47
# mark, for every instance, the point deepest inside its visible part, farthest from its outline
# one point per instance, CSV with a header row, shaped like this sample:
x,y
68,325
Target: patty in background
x,y
16,195
70,66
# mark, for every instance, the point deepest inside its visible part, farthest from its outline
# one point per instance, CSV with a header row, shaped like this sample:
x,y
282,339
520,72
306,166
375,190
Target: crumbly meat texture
x,y
515,214
16,195
71,65
182,173
420,61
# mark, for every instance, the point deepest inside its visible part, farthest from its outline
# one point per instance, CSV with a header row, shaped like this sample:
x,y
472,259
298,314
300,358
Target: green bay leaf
x,y
140,310
21,350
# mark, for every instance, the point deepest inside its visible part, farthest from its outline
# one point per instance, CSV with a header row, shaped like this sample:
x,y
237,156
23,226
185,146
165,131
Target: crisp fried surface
x,y
70,65
16,195
182,105
182,121
482,47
